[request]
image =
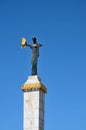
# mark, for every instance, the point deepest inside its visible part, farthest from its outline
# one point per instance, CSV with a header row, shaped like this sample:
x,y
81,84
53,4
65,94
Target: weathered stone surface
x,y
34,110
33,80
34,100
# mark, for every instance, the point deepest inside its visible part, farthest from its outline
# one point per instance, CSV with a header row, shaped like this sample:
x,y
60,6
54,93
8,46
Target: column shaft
x,y
34,110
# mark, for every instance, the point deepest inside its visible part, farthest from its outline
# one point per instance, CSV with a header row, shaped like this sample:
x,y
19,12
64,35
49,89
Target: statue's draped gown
x,y
35,55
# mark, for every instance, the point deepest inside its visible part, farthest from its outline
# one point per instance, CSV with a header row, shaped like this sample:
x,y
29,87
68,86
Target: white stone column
x,y
34,100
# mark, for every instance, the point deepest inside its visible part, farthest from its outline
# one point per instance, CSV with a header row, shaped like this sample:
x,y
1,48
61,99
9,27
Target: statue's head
x,y
34,40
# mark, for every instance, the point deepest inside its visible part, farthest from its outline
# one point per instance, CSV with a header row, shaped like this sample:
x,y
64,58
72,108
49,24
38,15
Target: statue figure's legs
x,y
34,69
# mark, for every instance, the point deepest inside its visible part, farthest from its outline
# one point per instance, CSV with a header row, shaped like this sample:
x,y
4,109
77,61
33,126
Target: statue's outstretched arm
x,y
40,45
29,45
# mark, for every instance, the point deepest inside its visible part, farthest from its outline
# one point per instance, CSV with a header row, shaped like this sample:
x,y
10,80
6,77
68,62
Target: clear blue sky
x,y
60,25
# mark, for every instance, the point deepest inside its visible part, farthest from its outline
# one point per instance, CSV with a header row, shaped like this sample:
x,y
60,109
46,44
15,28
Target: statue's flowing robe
x,y
35,55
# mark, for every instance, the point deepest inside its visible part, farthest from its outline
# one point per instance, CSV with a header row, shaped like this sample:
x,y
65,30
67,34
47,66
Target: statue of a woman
x,y
35,53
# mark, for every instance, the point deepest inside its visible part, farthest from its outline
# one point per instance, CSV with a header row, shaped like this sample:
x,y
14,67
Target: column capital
x,y
33,83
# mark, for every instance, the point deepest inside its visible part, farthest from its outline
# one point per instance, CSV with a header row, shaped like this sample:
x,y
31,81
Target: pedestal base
x,y
34,100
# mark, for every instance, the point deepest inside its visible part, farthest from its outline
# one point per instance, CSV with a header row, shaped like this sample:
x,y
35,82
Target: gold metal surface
x,y
26,87
24,42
